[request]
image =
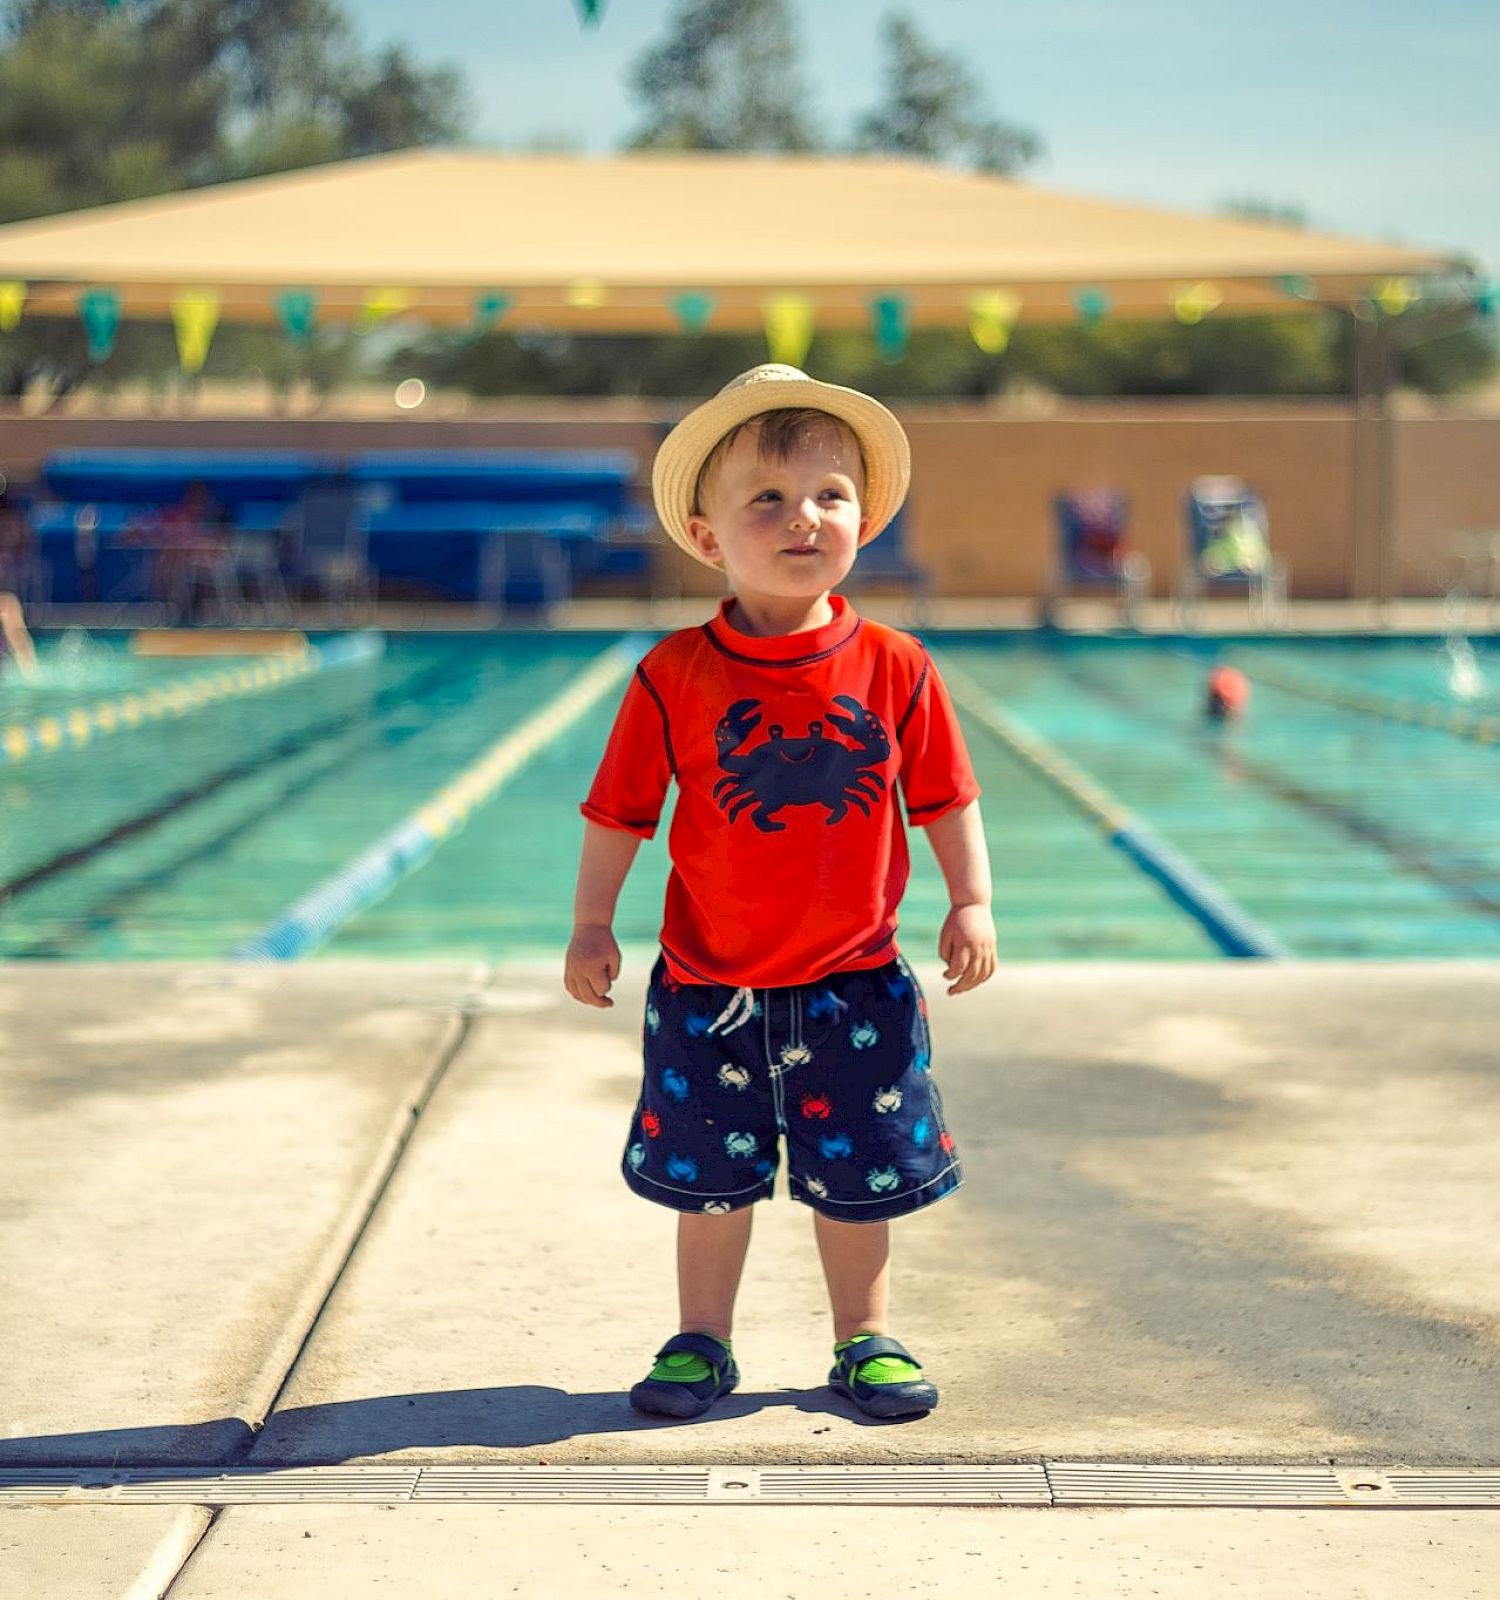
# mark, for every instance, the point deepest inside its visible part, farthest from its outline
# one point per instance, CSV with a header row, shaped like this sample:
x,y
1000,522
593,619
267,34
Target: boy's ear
x,y
703,540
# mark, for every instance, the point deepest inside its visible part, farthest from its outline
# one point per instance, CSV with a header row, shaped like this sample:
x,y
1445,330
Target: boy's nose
x,y
805,515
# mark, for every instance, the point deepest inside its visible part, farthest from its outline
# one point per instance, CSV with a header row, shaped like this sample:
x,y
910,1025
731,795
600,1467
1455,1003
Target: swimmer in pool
x,y
15,639
1228,694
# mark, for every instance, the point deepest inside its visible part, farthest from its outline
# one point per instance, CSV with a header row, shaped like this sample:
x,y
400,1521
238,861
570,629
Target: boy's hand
x,y
591,964
967,944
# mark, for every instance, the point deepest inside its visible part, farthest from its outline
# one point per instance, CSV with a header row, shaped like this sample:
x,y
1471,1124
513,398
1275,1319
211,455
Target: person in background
x,y
1228,694
15,562
15,639
190,543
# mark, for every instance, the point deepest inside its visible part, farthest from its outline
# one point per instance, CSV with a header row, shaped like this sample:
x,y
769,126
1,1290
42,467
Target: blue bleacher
x,y
158,477
450,547
460,524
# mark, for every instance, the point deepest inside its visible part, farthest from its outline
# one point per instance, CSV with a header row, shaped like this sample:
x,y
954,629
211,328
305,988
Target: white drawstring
x,y
744,1002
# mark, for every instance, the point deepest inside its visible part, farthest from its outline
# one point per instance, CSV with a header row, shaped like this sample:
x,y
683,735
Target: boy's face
x,y
789,529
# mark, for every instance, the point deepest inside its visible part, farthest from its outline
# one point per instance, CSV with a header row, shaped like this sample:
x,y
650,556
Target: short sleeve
x,y
631,783
936,774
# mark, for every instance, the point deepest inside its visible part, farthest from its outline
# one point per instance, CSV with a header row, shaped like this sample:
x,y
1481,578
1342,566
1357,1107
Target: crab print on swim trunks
x,y
838,1070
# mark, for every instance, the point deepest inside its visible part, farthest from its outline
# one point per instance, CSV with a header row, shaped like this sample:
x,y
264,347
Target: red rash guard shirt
x,y
789,858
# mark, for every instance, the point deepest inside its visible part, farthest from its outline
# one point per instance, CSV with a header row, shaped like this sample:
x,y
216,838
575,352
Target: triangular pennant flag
x,y
586,294
1394,295
195,314
890,320
379,305
1092,304
489,308
991,317
694,310
789,328
1192,302
12,298
100,310
297,310
1299,287
590,12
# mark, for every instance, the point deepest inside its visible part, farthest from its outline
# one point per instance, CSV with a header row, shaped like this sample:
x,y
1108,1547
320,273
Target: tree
x,y
934,110
725,78
100,104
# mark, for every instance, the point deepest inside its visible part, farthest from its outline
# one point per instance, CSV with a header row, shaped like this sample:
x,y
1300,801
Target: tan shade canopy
x,y
607,243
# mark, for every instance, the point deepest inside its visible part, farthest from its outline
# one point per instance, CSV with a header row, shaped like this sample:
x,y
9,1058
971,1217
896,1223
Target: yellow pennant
x,y
12,298
1394,295
991,317
1192,302
789,328
587,294
195,315
381,304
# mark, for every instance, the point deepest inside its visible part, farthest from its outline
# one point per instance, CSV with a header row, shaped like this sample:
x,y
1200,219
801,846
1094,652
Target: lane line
x,y
1481,728
80,725
255,765
318,915
1411,856
1227,923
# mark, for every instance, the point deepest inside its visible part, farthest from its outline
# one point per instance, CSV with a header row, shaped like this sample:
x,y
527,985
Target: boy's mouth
x,y
800,550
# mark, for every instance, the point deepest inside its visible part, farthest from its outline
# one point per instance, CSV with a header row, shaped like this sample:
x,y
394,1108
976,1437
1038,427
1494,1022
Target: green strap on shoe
x,y
880,1369
682,1367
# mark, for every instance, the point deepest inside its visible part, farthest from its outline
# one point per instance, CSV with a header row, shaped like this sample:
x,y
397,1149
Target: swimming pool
x,y
1340,832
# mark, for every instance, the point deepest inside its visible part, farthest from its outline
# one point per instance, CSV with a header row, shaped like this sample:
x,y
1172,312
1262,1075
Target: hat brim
x,y
887,454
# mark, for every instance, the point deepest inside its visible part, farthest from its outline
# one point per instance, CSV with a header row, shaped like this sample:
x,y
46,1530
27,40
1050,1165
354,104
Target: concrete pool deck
x,y
268,1218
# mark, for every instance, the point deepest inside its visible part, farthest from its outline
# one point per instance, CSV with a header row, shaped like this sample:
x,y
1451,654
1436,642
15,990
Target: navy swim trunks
x,y
840,1067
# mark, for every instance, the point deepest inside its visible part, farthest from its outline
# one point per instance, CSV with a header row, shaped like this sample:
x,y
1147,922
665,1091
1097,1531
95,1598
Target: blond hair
x,y
777,435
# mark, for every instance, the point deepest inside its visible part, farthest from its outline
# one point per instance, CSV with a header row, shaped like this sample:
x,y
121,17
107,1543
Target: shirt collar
x,y
784,647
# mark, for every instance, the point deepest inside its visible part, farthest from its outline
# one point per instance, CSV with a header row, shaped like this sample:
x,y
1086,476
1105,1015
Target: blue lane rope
x,y
1479,726
1228,924
79,725
313,919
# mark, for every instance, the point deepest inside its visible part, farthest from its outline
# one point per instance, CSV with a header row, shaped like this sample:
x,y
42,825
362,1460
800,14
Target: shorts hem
x,y
899,1205
687,1200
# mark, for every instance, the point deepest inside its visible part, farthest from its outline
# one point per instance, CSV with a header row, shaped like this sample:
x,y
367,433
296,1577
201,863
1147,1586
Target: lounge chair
x,y
1228,546
1093,551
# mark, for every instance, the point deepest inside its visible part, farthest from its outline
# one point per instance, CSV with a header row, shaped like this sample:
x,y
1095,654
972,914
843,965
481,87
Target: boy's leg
x,y
710,1258
857,1264
857,1267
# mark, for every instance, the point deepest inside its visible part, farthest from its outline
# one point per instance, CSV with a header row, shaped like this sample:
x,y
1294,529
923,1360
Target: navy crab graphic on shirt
x,y
813,771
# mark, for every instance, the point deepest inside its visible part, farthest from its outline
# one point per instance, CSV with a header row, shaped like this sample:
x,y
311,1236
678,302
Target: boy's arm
x,y
967,942
593,959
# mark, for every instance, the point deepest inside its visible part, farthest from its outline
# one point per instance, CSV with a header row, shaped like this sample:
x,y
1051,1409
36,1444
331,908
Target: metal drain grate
x,y
1126,1483
207,1486
1060,1483
689,1484
1446,1486
954,1485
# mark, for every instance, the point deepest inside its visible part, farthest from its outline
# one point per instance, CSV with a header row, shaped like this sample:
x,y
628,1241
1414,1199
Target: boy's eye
x,y
775,494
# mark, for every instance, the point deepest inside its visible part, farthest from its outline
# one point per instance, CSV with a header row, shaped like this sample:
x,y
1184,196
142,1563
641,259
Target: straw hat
x,y
769,387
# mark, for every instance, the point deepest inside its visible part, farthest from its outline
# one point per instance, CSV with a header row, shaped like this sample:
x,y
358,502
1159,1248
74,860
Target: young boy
x,y
780,1005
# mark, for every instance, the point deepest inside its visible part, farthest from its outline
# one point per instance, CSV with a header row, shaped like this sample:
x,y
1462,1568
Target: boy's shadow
x,y
518,1416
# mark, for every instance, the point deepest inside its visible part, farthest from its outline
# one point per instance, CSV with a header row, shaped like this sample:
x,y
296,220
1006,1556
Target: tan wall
x,y
983,481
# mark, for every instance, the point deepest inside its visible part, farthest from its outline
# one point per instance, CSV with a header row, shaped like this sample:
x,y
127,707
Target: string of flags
x,y
789,319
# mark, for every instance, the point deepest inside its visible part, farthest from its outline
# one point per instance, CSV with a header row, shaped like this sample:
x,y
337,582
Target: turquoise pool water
x,y
1345,835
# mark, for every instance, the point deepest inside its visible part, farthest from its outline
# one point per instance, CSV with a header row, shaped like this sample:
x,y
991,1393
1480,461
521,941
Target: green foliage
x,y
99,104
725,78
934,109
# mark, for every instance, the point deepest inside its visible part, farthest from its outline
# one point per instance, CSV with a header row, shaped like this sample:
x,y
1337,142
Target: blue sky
x,y
1380,120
